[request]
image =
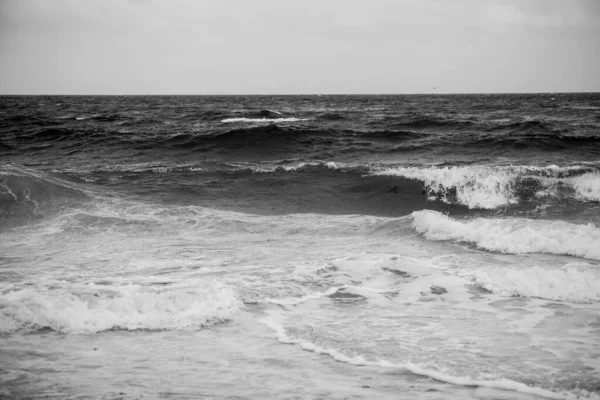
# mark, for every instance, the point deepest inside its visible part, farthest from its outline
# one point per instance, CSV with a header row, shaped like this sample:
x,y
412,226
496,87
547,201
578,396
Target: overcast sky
x,y
292,46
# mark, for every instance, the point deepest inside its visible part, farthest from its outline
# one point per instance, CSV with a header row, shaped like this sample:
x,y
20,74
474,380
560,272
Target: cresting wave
x,y
89,308
483,187
575,282
262,120
27,194
512,235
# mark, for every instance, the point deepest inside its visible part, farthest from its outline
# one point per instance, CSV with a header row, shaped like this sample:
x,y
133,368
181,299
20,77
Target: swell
x,y
288,186
522,126
425,122
257,136
26,120
285,140
27,195
253,141
552,142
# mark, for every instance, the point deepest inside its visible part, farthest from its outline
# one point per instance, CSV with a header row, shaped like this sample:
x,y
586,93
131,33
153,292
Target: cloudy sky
x,y
293,46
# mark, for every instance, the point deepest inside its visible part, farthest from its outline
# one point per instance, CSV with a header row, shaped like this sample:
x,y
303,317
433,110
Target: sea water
x,y
430,247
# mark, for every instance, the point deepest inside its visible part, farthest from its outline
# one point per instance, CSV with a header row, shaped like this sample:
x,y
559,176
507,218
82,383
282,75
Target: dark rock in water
x,y
438,290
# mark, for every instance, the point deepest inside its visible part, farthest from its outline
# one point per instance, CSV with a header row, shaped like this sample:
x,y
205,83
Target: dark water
x,y
269,155
431,247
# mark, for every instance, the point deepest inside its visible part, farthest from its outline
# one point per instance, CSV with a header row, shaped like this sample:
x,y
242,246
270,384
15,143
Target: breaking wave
x,y
90,308
512,235
479,187
574,282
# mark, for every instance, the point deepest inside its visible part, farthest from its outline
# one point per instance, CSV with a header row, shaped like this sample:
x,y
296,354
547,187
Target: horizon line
x,y
291,94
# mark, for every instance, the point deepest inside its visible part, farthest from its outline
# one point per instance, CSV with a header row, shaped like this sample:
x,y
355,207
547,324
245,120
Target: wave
x,y
26,119
573,282
49,134
267,114
270,135
263,120
547,142
26,194
329,187
522,126
499,383
331,116
482,187
90,308
106,117
295,167
512,235
286,138
424,122
356,188
261,116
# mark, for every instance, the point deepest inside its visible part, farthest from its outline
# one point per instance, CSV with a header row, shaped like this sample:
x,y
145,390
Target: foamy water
x,y
359,290
488,187
513,235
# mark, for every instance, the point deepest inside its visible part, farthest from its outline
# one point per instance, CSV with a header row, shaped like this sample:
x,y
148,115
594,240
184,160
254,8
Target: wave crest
x,y
512,235
81,308
574,282
479,187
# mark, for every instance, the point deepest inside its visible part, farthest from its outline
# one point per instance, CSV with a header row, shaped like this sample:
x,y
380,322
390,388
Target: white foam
x,y
89,308
575,282
476,187
262,120
587,186
296,167
492,187
512,235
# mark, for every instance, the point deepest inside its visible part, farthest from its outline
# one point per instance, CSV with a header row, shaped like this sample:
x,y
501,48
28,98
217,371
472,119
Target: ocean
x,y
300,247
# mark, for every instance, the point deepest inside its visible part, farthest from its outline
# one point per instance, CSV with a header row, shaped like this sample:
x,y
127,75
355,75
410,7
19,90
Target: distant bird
x,y
434,87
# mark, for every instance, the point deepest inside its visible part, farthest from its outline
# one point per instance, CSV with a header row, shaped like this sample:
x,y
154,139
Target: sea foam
x,y
574,282
483,187
90,308
587,186
512,235
474,187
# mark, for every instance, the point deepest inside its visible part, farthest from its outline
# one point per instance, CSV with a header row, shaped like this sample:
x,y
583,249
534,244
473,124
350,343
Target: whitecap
x,y
512,235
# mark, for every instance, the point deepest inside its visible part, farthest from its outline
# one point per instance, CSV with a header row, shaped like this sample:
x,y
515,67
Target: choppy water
x,y
427,247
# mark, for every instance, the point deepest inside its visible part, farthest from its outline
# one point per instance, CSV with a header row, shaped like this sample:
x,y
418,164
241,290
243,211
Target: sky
x,y
298,47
